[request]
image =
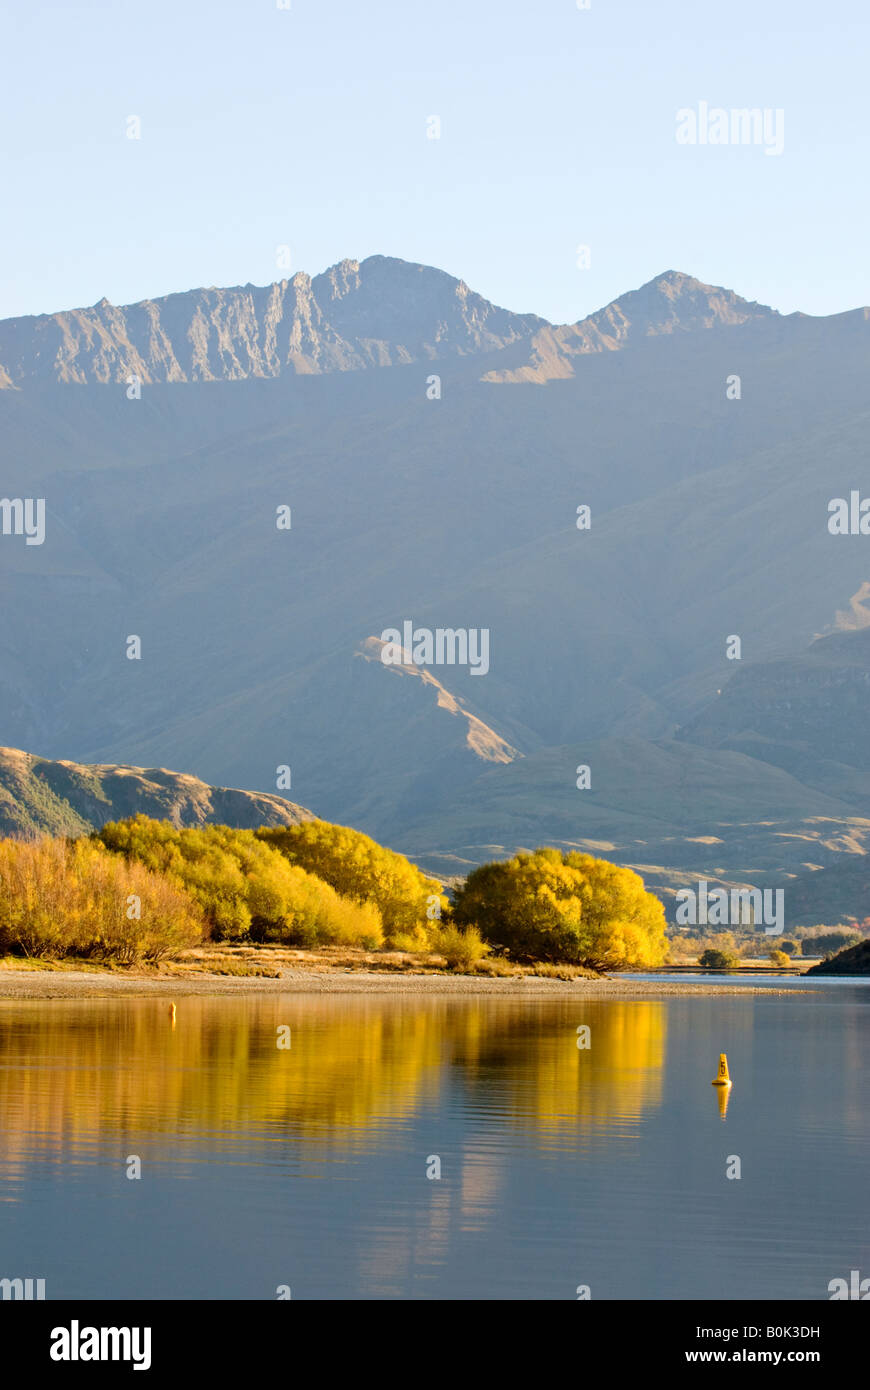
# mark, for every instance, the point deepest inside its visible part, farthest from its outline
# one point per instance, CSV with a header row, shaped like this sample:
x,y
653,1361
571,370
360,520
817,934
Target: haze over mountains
x,y
260,646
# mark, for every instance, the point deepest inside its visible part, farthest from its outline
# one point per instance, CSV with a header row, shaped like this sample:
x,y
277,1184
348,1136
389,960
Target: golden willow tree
x,y
244,887
569,907
362,870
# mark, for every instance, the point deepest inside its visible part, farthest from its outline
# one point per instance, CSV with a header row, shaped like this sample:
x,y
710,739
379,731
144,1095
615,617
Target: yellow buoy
x,y
723,1079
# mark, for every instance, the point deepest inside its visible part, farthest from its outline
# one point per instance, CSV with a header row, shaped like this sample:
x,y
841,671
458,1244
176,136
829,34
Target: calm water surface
x,y
559,1167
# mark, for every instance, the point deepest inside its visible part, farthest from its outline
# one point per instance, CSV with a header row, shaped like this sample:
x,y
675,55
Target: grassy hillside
x,y
65,798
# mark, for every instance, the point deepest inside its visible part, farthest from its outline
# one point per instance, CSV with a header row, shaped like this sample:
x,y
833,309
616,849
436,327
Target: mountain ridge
x,y
57,796
355,315
351,316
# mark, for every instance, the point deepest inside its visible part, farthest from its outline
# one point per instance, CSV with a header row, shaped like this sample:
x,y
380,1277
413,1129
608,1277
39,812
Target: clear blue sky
x,y
307,127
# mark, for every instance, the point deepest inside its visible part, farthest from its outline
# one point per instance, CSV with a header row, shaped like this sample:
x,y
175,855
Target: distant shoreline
x,y
50,984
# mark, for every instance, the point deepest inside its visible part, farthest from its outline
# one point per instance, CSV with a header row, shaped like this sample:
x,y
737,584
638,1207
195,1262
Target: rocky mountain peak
x,y
373,313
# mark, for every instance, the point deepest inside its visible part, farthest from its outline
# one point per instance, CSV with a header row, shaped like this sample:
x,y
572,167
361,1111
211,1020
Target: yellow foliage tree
x,y
569,907
359,868
73,898
244,885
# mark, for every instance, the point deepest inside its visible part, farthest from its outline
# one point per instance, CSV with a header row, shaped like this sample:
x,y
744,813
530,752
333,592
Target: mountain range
x,y
432,451
377,313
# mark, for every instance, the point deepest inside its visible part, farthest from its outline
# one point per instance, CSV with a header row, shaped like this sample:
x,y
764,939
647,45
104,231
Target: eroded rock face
x,y
375,313
379,312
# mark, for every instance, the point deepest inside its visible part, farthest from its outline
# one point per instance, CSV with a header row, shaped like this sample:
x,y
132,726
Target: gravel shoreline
x,y
80,984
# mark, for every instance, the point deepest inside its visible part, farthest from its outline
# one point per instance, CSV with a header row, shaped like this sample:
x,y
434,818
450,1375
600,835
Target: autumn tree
x,y
60,897
244,886
557,906
361,869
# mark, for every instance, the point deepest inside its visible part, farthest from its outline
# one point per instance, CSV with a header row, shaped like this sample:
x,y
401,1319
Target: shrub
x,y
72,898
779,958
463,950
411,941
568,907
718,960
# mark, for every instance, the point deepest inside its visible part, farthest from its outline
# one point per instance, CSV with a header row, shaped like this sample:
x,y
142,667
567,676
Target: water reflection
x,y
559,1165
76,1075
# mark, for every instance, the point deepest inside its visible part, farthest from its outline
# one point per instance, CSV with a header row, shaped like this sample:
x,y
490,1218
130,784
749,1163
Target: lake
x,y
315,1165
